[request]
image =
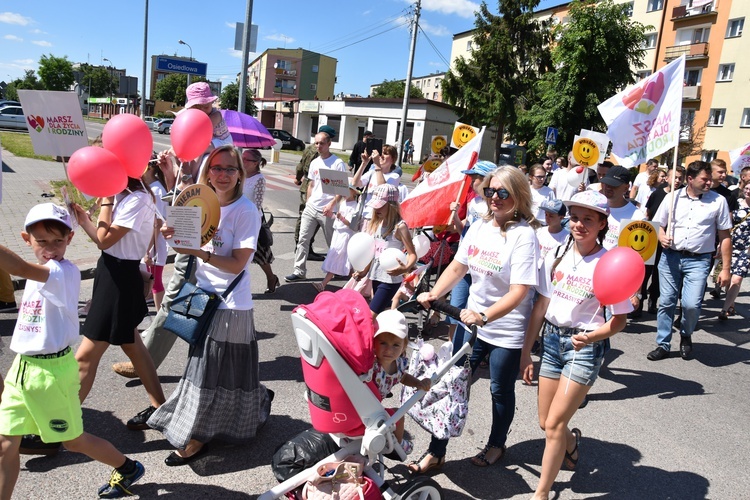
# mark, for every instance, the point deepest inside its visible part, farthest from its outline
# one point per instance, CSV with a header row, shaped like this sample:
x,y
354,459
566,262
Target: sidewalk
x,y
24,182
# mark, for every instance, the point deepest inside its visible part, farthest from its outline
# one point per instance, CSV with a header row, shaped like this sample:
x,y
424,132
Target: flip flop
x,y
569,463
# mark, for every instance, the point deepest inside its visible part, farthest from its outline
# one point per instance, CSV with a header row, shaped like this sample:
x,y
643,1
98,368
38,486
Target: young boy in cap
x,y
553,234
41,388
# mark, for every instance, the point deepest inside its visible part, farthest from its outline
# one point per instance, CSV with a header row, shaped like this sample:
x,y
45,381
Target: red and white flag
x,y
429,203
644,120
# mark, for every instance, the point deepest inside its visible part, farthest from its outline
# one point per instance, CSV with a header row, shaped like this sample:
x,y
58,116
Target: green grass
x,y
73,193
19,144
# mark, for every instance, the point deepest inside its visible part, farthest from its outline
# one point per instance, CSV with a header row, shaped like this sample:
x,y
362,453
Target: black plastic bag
x,y
301,452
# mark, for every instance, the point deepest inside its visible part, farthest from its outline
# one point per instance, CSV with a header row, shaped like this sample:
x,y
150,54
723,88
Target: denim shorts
x,y
557,356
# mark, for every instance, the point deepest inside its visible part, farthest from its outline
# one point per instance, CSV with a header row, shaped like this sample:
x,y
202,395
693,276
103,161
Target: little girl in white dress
x,y
337,261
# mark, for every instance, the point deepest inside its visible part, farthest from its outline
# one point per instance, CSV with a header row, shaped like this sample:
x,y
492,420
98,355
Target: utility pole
x,y
245,56
145,55
405,112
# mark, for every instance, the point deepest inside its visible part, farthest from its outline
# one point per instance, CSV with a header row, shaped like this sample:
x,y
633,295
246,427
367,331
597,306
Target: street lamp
x,y
111,76
181,42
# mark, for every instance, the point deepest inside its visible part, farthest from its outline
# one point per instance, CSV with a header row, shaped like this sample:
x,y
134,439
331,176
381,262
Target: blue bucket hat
x,y
483,168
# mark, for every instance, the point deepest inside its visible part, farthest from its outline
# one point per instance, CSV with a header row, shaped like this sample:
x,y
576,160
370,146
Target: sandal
x,y
569,463
731,311
416,468
723,315
480,460
318,286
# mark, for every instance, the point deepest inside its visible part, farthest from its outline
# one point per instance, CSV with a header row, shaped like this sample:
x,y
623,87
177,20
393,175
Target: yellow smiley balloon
x,y
586,152
641,237
431,165
462,135
438,143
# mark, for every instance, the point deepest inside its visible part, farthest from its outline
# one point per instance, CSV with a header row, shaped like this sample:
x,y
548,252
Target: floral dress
x,y
740,240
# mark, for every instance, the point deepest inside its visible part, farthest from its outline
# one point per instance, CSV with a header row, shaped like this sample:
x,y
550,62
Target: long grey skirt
x,y
220,394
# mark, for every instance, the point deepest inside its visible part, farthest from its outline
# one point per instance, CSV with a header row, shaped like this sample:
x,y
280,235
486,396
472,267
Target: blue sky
x,y
369,39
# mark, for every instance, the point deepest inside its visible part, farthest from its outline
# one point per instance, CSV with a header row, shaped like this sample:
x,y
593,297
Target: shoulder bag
x,y
191,312
265,235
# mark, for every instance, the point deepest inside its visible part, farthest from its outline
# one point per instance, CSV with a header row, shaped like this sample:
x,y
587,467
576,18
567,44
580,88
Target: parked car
x,y
4,103
150,121
164,125
288,141
13,117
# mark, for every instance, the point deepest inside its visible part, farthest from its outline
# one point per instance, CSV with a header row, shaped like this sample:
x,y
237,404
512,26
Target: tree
x,y
29,81
97,80
172,88
56,73
595,56
395,89
230,99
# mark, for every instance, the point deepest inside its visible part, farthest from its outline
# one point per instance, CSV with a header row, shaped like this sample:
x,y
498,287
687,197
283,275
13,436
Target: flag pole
x,y
670,220
458,199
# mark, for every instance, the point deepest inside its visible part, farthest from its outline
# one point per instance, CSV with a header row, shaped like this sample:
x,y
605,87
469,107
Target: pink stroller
x,y
334,335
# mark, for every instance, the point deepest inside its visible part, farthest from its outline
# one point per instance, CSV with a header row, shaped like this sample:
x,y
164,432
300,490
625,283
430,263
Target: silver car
x,y
13,117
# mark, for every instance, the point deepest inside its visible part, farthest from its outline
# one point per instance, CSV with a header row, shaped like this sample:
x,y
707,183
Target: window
x,y
434,96
745,118
315,68
716,117
700,35
693,77
709,156
654,5
726,72
643,74
650,41
437,83
313,86
468,46
734,27
629,8
426,83
687,117
281,64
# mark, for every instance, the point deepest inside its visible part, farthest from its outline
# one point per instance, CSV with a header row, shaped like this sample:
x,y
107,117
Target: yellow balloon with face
x,y
641,237
586,152
438,143
462,135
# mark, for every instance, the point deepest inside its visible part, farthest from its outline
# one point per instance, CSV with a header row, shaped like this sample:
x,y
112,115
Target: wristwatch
x,y
484,318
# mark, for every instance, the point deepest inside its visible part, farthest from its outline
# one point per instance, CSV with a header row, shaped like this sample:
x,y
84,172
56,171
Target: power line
x,y
440,55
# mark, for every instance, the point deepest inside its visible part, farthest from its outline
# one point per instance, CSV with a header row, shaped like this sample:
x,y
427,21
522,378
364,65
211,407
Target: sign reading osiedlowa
x,y
55,122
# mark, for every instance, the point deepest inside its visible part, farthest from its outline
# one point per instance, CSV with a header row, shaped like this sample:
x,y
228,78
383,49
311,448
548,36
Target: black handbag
x,y
265,235
191,312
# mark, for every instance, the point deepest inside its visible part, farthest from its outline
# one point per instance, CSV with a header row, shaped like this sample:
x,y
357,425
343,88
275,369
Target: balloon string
x,y
156,208
176,181
573,363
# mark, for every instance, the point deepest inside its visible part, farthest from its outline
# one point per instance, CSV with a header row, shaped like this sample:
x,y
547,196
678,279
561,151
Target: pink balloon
x,y
191,133
130,139
97,172
618,275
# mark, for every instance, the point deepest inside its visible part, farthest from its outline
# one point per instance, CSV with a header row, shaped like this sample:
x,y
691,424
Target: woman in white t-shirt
x,y
575,333
220,393
123,232
539,192
382,171
500,252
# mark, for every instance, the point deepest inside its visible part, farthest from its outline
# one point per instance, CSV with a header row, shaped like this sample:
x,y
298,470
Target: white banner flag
x,y
55,121
644,120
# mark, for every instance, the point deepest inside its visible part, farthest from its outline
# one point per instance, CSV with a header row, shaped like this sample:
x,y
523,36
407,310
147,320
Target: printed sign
x,y
437,143
55,121
334,182
462,134
642,236
186,221
585,151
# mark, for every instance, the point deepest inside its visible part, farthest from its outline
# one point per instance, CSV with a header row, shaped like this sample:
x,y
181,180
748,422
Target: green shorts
x,y
41,397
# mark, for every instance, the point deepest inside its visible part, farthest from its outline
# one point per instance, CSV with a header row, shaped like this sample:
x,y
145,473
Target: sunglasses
x,y
502,193
221,170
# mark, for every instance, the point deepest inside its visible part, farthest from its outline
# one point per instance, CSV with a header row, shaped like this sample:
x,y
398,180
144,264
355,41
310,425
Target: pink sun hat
x,y
199,93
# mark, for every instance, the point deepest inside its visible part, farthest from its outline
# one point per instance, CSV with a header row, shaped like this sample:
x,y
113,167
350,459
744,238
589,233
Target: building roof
x,y
548,5
399,101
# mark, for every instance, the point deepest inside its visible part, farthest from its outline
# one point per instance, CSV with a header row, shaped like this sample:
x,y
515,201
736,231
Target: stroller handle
x,y
442,306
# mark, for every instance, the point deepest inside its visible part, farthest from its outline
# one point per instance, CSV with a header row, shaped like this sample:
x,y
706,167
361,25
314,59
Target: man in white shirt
x,y
560,184
699,216
641,180
319,207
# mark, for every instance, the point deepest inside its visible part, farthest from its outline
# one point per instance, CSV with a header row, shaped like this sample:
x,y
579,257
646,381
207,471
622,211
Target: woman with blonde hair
x,y
220,394
501,252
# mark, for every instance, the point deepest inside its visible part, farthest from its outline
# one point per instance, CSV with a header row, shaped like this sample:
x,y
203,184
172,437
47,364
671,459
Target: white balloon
x,y
360,250
574,178
390,258
421,245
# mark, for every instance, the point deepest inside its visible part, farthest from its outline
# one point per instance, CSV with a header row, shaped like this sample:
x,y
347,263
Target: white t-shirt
x,y
559,184
160,247
136,212
537,197
48,315
616,215
571,293
548,242
496,262
403,192
475,210
368,179
318,199
238,228
641,182
644,192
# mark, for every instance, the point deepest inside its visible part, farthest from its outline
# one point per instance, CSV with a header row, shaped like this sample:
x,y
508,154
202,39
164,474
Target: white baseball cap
x,y
48,211
392,321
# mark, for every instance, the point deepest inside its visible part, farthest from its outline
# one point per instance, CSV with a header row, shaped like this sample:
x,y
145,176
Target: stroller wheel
x,y
422,488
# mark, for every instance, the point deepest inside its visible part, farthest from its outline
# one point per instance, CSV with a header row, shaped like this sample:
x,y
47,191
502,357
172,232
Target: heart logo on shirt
x,y
473,251
559,275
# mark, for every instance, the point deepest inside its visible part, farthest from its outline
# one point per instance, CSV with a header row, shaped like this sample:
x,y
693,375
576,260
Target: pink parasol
x,y
247,131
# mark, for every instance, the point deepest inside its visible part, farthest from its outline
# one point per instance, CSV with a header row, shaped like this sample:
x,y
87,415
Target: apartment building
x,y
715,103
430,86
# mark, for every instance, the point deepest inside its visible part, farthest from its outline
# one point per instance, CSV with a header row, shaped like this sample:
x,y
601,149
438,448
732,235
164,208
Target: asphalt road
x,y
668,429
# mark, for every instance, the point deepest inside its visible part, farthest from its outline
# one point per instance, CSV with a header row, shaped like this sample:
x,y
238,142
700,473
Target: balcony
x,y
691,93
693,51
683,12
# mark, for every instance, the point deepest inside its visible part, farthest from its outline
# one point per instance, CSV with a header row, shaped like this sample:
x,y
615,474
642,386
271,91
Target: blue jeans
x,y
504,366
459,298
676,272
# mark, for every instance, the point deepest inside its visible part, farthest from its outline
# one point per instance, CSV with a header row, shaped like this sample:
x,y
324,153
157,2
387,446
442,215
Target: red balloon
x,y
130,139
97,172
618,275
579,170
191,133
